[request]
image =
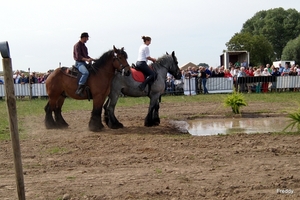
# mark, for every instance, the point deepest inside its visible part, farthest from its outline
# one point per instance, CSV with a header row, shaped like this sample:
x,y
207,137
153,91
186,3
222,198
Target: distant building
x,y
283,62
234,57
190,64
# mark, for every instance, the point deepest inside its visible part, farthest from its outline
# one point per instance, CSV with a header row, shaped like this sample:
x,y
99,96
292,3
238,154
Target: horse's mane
x,y
100,62
164,58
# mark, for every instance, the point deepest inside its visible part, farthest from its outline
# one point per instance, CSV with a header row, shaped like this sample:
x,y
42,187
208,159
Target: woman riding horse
x,y
60,84
129,87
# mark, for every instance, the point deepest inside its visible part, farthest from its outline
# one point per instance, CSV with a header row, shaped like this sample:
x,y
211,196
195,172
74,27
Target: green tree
x,y
279,26
261,51
292,50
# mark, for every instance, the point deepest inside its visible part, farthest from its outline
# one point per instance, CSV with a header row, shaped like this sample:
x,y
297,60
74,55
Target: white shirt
x,y
169,75
16,77
298,70
144,52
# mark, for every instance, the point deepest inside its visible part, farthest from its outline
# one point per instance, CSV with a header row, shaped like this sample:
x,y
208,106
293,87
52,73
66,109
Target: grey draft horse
x,y
129,87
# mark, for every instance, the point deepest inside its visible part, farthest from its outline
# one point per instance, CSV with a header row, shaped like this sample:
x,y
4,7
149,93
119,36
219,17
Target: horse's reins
x,y
121,65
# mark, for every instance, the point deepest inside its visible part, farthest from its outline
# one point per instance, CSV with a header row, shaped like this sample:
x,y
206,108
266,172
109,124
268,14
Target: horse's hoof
x,y
156,124
95,128
116,126
50,125
148,124
62,126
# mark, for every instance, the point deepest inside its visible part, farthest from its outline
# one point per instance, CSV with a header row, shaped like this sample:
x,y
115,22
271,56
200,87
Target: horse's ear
x,y
167,53
115,49
173,54
122,49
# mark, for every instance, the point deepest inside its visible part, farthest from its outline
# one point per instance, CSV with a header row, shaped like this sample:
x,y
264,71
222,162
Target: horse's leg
x,y
156,119
148,120
60,121
106,118
95,123
152,114
49,121
109,113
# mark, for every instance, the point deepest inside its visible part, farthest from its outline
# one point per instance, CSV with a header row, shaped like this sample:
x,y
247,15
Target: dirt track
x,y
151,163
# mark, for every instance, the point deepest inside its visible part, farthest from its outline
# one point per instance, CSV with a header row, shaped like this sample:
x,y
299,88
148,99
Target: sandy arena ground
x,y
152,163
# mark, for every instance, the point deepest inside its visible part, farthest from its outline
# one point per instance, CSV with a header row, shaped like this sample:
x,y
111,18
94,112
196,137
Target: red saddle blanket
x,y
137,75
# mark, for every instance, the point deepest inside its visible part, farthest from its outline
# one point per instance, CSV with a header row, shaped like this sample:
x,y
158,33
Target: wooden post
x,y
30,85
12,116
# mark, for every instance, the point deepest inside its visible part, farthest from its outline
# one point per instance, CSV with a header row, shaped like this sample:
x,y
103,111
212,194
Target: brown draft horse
x,y
59,85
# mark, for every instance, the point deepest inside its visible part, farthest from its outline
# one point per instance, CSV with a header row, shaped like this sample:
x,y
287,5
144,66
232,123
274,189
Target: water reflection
x,y
203,127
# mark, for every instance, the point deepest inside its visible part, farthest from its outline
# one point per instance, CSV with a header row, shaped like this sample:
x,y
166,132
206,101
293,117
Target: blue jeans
x,y
81,66
204,86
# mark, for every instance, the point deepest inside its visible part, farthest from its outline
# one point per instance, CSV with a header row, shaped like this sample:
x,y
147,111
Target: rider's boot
x,y
143,85
79,90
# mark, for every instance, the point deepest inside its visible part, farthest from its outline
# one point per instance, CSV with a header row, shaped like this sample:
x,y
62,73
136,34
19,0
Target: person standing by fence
x,y
265,85
23,79
32,78
257,72
242,84
203,75
275,73
17,77
286,70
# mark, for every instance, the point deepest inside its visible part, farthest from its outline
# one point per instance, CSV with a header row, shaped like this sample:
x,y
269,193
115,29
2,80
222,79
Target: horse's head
x,y
174,69
120,61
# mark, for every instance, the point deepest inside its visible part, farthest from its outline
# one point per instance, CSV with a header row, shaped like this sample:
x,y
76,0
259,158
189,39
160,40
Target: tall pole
x,y
12,117
190,84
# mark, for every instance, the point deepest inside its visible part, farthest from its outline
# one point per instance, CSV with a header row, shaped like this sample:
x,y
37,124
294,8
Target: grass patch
x,y
158,171
71,178
285,133
183,179
57,150
28,108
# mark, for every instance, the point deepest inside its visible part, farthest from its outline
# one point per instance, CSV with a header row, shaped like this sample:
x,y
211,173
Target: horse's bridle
x,y
122,70
160,64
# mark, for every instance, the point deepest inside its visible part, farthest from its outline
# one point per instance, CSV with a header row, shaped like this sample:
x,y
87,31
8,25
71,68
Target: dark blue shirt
x,y
276,73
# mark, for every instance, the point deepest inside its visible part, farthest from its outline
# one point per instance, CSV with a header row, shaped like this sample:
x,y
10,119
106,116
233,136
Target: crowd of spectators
x,y
33,77
25,78
236,71
201,74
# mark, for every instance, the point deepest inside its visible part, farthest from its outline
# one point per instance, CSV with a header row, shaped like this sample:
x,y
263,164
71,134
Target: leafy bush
x,y
294,119
235,101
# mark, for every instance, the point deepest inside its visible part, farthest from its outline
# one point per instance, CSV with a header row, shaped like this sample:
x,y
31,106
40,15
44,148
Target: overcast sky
x,y
41,34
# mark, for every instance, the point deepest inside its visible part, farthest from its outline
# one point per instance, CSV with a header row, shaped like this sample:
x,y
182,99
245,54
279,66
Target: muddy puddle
x,y
204,127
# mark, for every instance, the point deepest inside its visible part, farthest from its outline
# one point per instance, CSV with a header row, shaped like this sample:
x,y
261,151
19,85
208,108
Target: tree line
x,y
269,35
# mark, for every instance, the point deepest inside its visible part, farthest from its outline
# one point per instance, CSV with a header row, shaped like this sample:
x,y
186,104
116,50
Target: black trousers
x,y
143,67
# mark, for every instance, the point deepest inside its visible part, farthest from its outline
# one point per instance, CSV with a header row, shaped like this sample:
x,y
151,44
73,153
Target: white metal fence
x,y
214,85
38,90
226,85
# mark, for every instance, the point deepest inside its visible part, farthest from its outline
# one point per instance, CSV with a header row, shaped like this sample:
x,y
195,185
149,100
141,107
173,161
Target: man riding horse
x,y
81,57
